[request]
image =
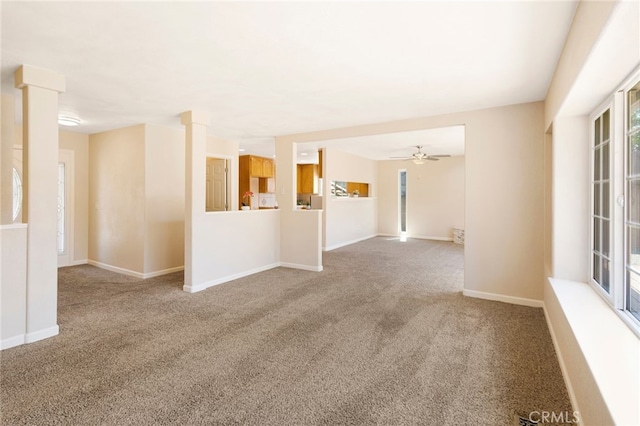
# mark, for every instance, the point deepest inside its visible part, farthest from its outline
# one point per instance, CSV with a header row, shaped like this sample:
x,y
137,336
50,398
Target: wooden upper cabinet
x,y
259,166
255,166
320,163
308,178
267,168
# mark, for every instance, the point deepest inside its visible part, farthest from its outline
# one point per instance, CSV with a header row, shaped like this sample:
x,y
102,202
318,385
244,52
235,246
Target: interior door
x,y
216,197
65,207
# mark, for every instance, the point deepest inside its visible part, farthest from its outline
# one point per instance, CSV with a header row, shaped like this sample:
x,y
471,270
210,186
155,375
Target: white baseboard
x,y
502,298
347,243
563,367
204,286
115,269
41,334
418,237
79,262
12,342
134,274
300,266
163,272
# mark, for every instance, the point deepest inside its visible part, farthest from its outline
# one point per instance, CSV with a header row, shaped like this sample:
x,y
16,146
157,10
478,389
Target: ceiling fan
x,y
420,157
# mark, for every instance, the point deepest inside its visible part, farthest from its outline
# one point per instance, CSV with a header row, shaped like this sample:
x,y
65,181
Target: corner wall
x,y
348,220
435,197
117,199
163,200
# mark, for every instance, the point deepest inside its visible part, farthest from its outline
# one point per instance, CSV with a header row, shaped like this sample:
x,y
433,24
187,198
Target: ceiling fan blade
x,y
430,158
440,155
401,158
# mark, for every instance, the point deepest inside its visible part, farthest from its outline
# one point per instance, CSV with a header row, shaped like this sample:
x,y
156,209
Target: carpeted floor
x,y
382,336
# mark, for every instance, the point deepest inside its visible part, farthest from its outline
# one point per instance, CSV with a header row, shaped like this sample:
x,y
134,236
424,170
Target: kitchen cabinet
x,y
267,185
255,174
308,178
259,167
363,188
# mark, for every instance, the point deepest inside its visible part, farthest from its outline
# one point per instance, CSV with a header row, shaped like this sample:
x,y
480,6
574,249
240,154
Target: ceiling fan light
x,y
418,160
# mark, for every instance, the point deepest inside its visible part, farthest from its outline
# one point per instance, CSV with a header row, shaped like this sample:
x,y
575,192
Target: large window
x,y
632,228
615,195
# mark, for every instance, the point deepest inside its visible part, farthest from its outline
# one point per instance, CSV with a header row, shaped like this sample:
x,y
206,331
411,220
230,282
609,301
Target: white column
x,y
196,123
6,160
40,90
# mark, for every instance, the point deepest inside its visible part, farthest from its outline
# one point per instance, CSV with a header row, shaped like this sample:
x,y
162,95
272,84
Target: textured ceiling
x,y
264,69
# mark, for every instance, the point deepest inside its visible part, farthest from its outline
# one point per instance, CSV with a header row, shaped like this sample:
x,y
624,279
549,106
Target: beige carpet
x,y
381,336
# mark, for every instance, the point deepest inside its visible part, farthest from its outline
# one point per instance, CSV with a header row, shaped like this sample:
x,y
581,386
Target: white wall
x,y
570,189
435,197
164,200
348,220
117,199
13,285
234,244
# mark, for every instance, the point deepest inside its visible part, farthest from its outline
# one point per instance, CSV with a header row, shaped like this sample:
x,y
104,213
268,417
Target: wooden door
x,y
216,196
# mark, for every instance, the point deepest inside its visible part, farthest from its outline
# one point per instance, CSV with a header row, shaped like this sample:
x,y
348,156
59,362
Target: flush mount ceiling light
x,y
242,150
68,120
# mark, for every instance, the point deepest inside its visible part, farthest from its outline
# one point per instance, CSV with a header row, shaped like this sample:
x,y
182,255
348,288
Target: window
x,y
632,225
615,201
601,194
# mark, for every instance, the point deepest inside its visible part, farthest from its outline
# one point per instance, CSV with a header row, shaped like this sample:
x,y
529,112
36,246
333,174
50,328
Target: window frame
x,y
618,296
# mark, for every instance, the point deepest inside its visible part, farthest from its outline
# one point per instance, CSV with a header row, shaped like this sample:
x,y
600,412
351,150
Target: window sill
x,y
611,349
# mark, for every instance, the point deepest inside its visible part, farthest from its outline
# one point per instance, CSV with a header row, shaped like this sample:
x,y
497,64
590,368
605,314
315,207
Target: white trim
x,y
163,272
14,226
418,237
79,262
563,366
130,272
42,334
300,266
430,238
204,286
116,269
12,342
347,243
503,298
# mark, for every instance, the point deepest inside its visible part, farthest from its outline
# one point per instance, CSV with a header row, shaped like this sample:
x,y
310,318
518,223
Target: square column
x,y
40,89
196,123
6,160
